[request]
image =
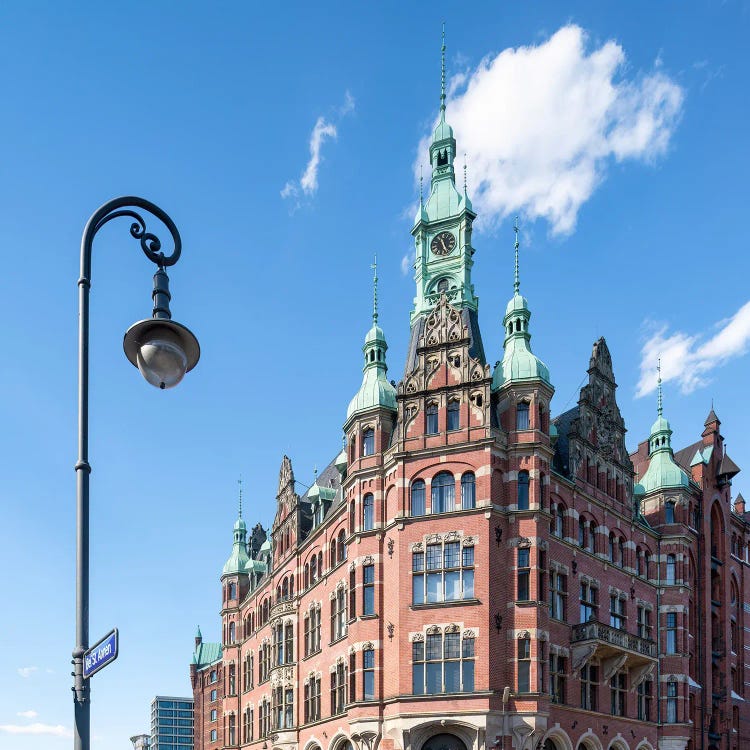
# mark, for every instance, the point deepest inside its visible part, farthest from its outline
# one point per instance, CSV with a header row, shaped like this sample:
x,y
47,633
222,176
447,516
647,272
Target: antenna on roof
x,y
374,267
517,281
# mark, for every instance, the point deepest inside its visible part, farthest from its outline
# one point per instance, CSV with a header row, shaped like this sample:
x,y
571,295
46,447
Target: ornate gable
x,y
286,498
597,433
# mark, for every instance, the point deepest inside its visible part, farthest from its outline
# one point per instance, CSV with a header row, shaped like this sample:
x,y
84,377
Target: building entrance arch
x,y
444,741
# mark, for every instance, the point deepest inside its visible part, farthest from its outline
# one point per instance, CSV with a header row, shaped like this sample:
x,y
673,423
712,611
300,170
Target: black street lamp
x,y
163,351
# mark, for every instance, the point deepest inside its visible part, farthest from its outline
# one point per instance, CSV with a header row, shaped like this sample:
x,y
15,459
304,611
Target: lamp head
x,y
162,350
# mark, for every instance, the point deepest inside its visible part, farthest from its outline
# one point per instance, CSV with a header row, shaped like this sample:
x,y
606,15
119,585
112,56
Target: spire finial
x,y
464,173
442,76
239,510
658,387
315,474
517,281
374,267
421,188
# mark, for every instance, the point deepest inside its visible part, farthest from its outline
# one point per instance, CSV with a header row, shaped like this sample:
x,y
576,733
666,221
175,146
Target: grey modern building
x,y
141,742
171,723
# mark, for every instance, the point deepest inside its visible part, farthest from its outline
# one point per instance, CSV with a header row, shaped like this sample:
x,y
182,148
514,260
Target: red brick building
x,y
470,572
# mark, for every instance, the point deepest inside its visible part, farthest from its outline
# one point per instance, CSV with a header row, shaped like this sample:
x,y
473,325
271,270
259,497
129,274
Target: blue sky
x,y
284,144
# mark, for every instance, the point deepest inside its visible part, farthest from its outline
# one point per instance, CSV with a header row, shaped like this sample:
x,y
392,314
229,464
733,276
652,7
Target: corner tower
x,y
442,238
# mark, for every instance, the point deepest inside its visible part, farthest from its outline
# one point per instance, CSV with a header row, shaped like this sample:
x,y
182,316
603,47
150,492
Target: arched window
x,y
468,494
621,552
368,442
342,546
669,512
368,512
671,576
581,531
307,575
454,414
646,563
638,562
442,285
612,543
523,490
591,546
314,569
417,498
334,558
431,419
285,589
443,492
522,416
557,525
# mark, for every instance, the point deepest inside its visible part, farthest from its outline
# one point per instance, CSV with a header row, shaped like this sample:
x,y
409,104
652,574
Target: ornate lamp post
x,y
163,351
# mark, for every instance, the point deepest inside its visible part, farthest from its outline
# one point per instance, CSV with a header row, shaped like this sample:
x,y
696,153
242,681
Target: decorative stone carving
x,y
453,628
468,633
433,630
417,638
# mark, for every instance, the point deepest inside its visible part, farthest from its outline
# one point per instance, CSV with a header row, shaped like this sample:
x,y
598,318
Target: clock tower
x,y
442,236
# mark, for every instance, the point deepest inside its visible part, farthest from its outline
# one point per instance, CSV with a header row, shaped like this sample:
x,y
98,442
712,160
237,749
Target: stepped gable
x,y
596,436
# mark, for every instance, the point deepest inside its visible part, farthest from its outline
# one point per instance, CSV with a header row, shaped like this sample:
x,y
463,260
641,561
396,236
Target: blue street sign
x,y
100,654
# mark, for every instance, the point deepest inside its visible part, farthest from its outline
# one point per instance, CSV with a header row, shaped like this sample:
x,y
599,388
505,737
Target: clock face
x,y
442,243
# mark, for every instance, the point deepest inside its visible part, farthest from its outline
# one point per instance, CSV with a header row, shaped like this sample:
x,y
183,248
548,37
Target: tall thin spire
x,y
517,280
442,76
374,267
464,173
421,187
239,510
658,387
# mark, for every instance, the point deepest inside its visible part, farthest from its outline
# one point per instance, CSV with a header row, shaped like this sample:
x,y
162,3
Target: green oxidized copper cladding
x,y
662,470
519,362
239,557
438,270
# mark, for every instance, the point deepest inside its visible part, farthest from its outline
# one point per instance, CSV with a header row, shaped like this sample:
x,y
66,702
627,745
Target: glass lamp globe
x,y
162,350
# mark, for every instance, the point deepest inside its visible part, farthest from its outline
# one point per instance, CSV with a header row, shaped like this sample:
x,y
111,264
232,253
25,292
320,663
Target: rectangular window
x,y
522,575
368,590
431,426
558,586
338,689
214,714
338,615
368,442
524,665
454,419
213,735
443,664
589,686
645,691
445,574
671,702
214,694
368,674
671,632
644,622
522,416
618,694
617,617
557,678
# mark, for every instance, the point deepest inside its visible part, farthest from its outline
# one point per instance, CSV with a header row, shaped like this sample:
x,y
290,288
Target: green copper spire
x,y
239,557
519,363
442,226
662,470
375,389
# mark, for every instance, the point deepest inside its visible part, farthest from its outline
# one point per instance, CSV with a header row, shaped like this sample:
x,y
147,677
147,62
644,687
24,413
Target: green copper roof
x,y
519,362
662,470
375,389
206,654
239,557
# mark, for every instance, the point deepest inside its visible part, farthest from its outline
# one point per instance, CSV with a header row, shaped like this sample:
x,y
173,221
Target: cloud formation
x,y
688,359
54,730
26,672
27,714
307,185
541,124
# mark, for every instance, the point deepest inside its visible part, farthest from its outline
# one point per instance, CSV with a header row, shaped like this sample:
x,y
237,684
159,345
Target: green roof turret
x,y
375,389
239,557
662,470
519,362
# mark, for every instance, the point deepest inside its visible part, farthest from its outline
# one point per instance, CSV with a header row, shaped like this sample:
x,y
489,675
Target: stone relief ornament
x,y
453,628
417,638
433,629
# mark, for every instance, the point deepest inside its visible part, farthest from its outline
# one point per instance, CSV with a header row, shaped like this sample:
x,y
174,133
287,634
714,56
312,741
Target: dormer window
x,y
368,442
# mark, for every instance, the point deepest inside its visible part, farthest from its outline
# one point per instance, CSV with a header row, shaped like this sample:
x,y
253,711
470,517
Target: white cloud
x,y
323,130
541,124
407,262
27,714
54,730
689,358
26,672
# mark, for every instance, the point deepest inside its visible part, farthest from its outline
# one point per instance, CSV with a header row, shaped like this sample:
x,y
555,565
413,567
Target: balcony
x,y
614,648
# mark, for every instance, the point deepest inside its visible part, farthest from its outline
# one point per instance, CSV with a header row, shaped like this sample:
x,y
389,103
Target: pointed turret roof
x,y
375,389
519,362
662,470
727,467
239,557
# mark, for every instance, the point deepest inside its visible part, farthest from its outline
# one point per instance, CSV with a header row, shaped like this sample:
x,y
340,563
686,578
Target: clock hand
x,y
442,242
